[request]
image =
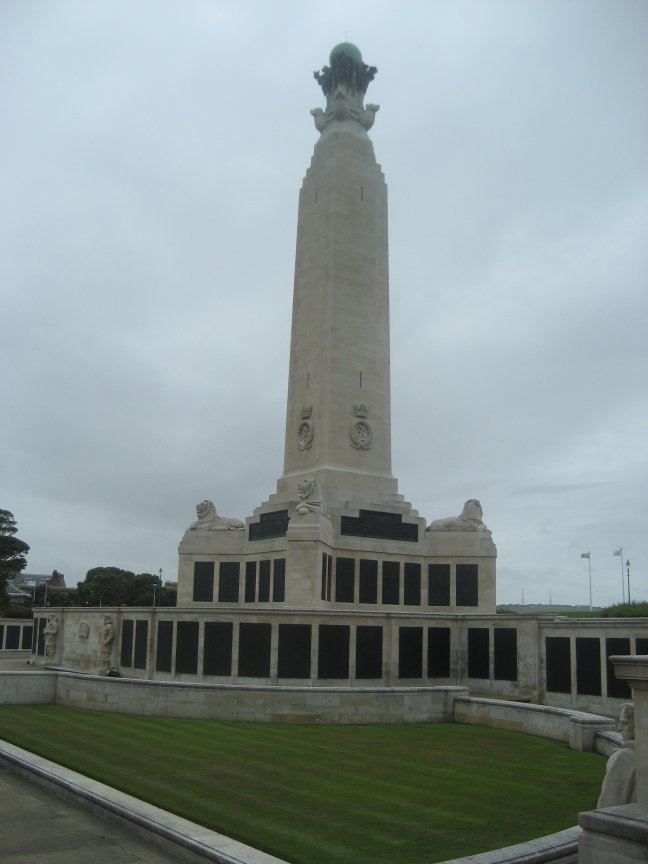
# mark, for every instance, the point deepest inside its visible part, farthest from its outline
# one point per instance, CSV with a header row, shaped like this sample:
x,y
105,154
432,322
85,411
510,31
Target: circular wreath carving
x,y
360,435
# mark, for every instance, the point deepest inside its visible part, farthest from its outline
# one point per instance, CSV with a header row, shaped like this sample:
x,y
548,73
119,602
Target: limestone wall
x,y
28,688
575,728
544,660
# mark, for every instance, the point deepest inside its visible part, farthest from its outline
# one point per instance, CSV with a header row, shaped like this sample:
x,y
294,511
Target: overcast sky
x,y
150,160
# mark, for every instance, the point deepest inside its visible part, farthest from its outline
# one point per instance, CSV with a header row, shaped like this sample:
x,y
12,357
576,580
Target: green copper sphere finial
x,y
349,49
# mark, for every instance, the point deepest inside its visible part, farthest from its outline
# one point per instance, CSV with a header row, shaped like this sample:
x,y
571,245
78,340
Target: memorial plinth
x,y
619,834
336,536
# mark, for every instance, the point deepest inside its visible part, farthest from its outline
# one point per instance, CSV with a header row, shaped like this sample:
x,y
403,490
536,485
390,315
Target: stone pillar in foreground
x,y
619,835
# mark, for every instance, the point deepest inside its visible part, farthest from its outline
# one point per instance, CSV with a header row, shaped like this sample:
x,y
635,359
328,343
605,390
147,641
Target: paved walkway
x,y
38,827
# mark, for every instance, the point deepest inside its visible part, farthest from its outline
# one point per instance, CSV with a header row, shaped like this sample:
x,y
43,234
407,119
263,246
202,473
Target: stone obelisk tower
x,y
336,534
338,425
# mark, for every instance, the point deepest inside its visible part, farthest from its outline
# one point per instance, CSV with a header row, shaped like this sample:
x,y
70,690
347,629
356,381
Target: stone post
x,y
619,835
634,670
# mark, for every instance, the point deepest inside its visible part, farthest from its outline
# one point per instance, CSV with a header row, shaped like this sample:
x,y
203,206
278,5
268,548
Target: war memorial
x,y
335,600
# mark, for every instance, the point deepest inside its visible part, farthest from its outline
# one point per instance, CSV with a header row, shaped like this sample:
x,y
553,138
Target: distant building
x,y
17,595
33,580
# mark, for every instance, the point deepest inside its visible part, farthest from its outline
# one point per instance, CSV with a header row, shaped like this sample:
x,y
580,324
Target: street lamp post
x,y
628,571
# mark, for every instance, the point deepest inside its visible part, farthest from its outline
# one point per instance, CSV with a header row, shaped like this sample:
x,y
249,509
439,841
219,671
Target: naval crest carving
x,y
360,431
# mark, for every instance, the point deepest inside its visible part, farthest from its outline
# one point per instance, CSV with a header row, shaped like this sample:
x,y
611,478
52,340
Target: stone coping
x,y
628,822
255,688
581,717
191,841
559,848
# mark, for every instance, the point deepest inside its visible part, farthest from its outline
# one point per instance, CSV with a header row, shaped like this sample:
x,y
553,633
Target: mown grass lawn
x,y
315,794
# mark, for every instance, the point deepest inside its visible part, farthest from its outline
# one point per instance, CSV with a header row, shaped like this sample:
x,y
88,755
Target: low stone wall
x,y
28,688
575,728
257,704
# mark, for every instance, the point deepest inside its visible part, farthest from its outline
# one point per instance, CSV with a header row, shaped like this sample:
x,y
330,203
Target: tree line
x,y
102,586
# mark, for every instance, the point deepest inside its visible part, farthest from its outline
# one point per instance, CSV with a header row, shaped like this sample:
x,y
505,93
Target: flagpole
x,y
588,555
619,553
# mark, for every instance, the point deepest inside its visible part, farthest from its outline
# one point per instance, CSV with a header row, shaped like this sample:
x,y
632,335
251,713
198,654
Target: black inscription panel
x,y
368,588
412,584
254,650
383,526
642,646
467,585
203,587
264,581
558,664
27,637
616,687
344,580
438,652
391,583
294,651
505,654
187,647
279,580
333,655
164,650
410,652
1,635
269,525
228,581
141,644
13,636
126,653
40,642
369,650
217,657
250,581
588,666
478,648
438,584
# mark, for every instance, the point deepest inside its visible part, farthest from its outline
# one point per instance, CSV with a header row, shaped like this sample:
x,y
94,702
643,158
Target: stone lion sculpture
x,y
469,520
311,499
209,520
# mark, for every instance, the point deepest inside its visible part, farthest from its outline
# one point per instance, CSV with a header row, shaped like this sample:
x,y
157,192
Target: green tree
x,y
12,552
55,596
112,586
105,586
